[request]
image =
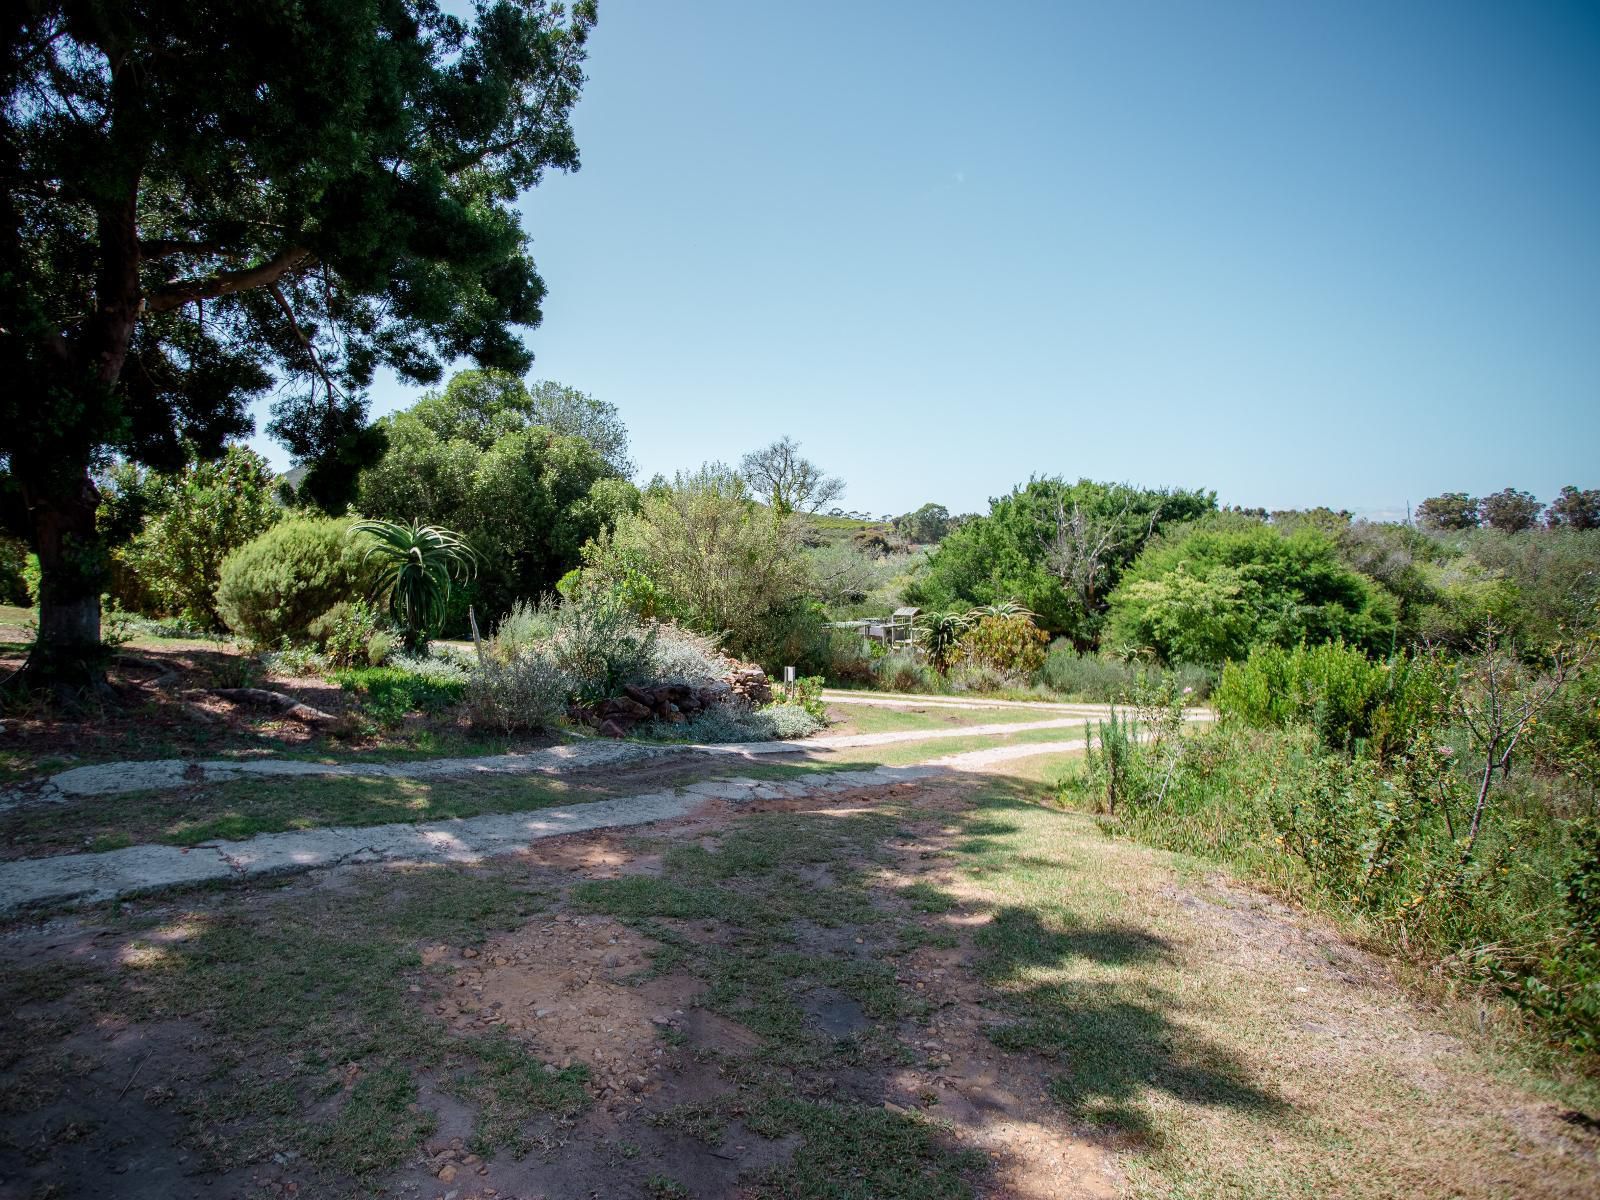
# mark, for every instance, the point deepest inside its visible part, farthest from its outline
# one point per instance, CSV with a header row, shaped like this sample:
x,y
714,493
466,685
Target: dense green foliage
x,y
926,525
701,551
1365,788
274,587
191,522
1211,592
207,199
525,496
1056,547
1347,699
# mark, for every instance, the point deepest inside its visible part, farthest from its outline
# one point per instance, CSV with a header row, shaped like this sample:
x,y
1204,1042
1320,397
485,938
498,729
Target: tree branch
x,y
226,283
155,248
311,351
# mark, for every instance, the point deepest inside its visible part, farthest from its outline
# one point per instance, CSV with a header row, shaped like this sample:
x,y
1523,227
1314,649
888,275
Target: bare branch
x,y
311,351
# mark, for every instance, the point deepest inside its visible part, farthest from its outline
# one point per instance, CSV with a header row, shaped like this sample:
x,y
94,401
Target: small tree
x,y
415,566
1575,508
786,482
1498,699
713,559
1451,510
1510,511
198,518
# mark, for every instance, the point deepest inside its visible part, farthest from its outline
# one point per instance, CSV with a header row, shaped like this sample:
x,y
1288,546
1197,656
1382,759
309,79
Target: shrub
x,y
982,678
1085,676
849,659
716,561
351,634
791,635
775,722
903,671
600,644
389,693
806,692
1336,690
273,588
527,693
14,586
1008,643
444,669
1211,593
683,656
523,628
295,661
193,520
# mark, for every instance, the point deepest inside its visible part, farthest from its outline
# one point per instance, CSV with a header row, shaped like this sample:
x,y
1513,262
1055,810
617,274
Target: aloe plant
x,y
416,565
940,633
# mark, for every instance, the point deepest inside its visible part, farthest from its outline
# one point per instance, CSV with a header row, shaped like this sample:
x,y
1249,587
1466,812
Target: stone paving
x,y
103,779
88,878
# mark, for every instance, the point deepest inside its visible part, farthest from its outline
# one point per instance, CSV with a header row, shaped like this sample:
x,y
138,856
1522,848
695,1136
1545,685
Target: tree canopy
x,y
786,482
700,550
527,497
1056,547
1209,593
204,199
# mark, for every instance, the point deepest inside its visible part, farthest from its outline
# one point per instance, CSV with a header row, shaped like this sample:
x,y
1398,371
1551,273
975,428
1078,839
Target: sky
x,y
1342,254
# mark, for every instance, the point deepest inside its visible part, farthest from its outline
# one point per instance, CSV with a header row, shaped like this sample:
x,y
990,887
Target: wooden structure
x,y
894,632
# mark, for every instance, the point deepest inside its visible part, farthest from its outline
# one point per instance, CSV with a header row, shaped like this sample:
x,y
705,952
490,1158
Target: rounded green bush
x,y
273,588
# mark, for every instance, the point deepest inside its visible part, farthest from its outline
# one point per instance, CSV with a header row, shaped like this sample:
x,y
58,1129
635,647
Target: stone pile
x,y
749,682
744,687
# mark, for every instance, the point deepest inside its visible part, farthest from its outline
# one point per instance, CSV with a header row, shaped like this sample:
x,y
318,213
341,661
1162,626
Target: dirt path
x,y
898,988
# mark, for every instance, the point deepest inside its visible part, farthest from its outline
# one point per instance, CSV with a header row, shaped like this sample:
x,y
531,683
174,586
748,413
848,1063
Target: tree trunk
x,y
68,658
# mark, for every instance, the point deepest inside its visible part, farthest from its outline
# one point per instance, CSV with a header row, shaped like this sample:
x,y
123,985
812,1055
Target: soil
x,y
154,719
99,1112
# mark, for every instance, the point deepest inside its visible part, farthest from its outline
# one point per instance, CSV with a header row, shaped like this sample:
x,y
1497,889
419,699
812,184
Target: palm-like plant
x,y
1002,610
416,565
940,633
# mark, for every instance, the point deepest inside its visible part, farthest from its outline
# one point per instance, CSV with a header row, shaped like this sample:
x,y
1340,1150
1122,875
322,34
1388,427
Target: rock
x,y
447,1172
612,728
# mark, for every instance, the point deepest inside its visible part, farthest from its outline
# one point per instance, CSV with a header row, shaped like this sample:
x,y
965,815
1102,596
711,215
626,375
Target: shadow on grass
x,y
1110,1023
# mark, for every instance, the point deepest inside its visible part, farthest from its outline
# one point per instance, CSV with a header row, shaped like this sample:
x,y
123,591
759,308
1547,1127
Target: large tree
x,y
202,199
1510,511
477,456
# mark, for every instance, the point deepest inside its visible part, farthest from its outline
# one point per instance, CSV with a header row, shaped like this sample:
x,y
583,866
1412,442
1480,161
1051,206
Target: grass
x,y
753,884
307,1004
1217,1047
388,694
865,718
244,808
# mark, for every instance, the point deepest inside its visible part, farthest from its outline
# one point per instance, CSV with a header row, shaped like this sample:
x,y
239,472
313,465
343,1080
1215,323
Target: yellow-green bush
x,y
273,588
1010,644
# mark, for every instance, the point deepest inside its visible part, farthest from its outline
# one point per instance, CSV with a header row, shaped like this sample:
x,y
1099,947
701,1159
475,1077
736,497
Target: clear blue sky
x,y
1345,253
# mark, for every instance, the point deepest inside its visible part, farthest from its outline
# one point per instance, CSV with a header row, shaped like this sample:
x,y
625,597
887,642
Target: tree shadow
x,y
1116,1037
1016,938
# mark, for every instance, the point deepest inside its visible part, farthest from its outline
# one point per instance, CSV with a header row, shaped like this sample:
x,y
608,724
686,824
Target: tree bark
x,y
67,658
